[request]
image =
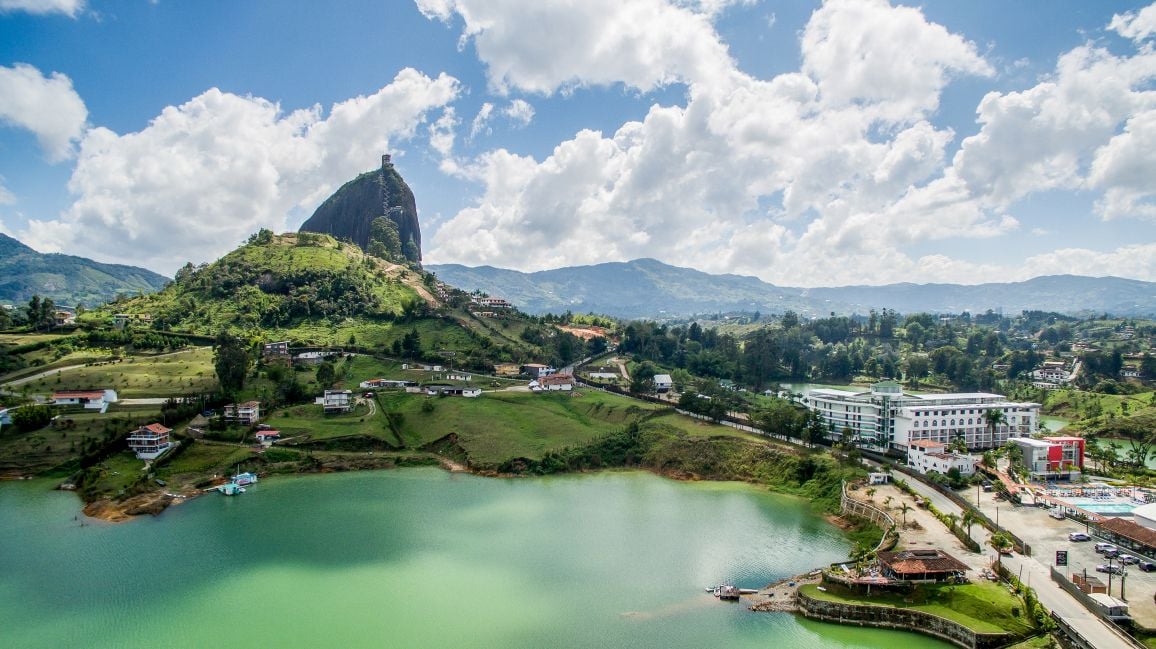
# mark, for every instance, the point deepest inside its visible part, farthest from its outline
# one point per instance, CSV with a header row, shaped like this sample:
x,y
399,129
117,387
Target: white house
x,y
385,383
246,414
314,358
925,455
450,390
88,399
267,437
150,442
1051,373
459,376
552,383
537,370
337,401
663,383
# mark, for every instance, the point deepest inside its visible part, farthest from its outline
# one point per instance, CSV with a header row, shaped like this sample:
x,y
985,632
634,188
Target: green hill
x,y
66,279
277,282
313,290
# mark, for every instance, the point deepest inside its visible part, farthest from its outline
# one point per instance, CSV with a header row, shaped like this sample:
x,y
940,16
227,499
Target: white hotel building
x,y
885,417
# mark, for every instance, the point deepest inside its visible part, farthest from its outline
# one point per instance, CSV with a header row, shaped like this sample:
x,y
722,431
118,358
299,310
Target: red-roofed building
x,y
925,455
87,399
553,382
267,437
150,442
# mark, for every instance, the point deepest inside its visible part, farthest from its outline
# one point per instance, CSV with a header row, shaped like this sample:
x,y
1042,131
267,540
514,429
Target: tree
x,y
917,366
231,360
904,508
993,418
326,375
969,519
31,417
384,231
5,319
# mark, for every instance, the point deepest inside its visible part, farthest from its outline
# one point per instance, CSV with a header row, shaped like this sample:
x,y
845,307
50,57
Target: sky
x,y
805,143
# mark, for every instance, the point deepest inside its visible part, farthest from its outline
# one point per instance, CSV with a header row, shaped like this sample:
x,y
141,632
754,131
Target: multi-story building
x,y
337,401
149,442
1051,457
885,417
246,414
924,455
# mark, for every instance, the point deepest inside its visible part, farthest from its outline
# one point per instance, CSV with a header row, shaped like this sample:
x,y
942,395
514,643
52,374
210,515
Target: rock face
x,y
348,213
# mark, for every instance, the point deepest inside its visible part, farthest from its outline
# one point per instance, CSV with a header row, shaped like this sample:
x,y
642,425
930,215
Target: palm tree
x,y
952,520
993,418
905,508
969,518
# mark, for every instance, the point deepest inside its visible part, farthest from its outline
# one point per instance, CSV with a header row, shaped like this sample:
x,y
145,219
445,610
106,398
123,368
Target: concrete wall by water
x,y
886,617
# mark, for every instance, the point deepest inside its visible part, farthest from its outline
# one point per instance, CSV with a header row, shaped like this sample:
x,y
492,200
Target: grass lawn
x,y
311,420
492,428
700,428
188,372
117,473
983,607
202,459
40,450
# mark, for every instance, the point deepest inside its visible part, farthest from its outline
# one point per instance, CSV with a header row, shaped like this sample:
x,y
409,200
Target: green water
x,y
417,558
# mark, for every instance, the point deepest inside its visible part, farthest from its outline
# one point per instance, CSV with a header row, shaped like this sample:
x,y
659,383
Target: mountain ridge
x,y
67,279
651,288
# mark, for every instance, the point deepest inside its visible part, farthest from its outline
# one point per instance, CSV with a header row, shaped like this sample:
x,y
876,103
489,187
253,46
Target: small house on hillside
x,y
87,399
537,370
149,442
507,369
337,401
552,383
459,376
246,414
267,437
385,383
453,391
663,383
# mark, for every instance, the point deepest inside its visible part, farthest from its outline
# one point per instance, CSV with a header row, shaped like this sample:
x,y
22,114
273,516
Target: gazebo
x,y
920,565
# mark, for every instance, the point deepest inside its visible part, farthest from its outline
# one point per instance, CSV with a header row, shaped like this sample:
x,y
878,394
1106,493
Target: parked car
x,y
1056,514
1110,554
1101,547
1147,566
1128,559
1079,536
1115,570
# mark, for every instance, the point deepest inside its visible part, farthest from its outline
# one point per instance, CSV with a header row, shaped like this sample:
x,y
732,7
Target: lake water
x,y
418,558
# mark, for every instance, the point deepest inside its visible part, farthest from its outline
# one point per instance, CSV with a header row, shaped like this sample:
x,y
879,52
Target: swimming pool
x,y
1102,506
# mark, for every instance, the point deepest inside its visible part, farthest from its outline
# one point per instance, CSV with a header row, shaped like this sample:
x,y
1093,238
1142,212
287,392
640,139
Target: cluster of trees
x,y
561,348
385,242
40,313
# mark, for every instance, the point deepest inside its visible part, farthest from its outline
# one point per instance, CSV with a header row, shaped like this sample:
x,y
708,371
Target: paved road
x,y
1037,576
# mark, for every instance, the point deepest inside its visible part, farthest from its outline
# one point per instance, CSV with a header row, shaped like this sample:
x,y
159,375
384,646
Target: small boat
x,y
727,592
243,479
231,489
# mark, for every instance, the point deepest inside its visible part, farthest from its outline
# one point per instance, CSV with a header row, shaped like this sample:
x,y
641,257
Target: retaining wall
x,y
886,617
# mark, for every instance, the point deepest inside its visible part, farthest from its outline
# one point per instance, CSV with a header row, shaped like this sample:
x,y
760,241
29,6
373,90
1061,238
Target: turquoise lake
x,y
418,558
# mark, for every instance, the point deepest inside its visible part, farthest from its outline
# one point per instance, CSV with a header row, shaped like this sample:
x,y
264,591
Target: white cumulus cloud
x,y
542,46
203,175
67,7
1135,25
764,177
520,112
48,106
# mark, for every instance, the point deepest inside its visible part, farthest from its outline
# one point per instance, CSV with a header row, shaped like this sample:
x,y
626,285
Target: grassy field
x,y
983,607
699,428
40,450
202,458
188,372
491,428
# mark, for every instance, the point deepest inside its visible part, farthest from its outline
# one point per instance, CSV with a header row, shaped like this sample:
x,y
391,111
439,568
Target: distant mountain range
x,y
649,288
66,279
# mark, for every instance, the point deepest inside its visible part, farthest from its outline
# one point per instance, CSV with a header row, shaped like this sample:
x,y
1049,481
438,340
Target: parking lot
x,y
1046,535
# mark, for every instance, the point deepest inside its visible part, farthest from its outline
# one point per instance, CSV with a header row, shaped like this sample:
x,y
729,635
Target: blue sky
x,y
809,144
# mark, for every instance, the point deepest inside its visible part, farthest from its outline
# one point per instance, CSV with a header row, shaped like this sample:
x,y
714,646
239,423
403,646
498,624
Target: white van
x,y
1057,514
1104,547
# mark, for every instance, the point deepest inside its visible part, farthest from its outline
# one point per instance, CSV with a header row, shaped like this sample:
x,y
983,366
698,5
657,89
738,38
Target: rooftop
x,y
918,562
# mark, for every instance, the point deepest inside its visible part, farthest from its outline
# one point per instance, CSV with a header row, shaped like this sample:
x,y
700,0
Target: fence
x,y
1092,606
849,505
983,519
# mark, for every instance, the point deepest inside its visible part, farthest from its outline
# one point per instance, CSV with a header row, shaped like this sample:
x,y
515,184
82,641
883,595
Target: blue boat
x,y
231,489
242,479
